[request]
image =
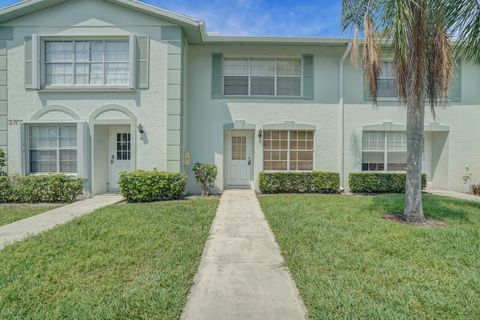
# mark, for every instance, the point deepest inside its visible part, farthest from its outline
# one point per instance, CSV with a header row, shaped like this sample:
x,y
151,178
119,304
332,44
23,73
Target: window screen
x,y
288,150
87,62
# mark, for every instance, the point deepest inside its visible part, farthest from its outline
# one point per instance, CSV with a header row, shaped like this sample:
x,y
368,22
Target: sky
x,y
309,18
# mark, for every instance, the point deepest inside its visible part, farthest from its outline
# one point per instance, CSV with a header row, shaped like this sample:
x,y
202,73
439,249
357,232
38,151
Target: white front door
x,y
120,154
239,158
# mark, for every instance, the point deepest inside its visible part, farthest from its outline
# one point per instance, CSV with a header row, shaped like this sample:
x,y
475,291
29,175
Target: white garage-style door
x,y
239,158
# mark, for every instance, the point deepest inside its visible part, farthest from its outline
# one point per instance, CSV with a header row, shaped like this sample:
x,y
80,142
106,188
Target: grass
x,y
127,261
12,212
350,263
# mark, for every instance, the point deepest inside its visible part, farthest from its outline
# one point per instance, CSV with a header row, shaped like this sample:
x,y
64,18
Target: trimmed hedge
x,y
41,188
380,182
148,186
299,182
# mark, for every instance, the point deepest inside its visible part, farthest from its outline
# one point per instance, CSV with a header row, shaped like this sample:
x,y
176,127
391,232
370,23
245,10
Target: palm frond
x,y
371,57
439,65
417,50
355,48
463,20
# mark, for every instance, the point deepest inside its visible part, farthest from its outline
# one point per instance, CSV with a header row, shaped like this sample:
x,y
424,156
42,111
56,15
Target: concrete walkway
x,y
453,194
22,229
241,274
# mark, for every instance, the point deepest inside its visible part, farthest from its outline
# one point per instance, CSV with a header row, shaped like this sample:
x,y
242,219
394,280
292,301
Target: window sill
x,y
288,171
50,173
88,89
263,97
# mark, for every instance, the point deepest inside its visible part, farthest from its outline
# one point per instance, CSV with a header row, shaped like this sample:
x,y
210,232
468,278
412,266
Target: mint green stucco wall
x,y
179,114
447,154
157,108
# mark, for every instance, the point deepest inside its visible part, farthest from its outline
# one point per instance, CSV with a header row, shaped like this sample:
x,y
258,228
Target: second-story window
x,y
387,87
262,76
87,63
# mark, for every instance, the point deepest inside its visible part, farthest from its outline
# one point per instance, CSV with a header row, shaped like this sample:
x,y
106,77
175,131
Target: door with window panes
x,y
120,155
239,162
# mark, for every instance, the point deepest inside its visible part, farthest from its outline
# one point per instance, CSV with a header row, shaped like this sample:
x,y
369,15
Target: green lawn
x,y
12,212
127,261
349,263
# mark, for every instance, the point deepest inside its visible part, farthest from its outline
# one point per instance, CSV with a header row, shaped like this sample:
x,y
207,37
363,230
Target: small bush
x,y
205,174
475,189
42,188
380,182
5,189
3,163
148,186
299,182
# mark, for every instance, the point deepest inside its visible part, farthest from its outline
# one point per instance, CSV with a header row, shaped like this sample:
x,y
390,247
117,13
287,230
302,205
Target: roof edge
x,y
27,7
217,39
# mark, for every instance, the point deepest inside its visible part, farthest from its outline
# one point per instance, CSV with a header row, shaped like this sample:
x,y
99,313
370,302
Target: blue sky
x,y
316,18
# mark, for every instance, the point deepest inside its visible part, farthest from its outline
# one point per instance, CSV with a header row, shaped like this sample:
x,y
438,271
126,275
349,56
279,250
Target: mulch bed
x,y
429,223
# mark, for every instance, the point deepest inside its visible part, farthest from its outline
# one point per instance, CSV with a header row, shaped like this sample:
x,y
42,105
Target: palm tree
x,y
418,33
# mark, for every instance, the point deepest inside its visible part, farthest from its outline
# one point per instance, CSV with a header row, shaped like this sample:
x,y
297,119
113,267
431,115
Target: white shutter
x,y
133,61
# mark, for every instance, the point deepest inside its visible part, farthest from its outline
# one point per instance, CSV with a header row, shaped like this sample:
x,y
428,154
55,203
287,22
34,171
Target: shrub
x,y
205,174
380,182
42,188
5,189
3,162
299,182
475,189
148,186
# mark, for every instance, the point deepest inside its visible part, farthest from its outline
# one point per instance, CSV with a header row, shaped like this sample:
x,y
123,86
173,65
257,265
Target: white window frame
x,y
275,58
385,151
57,148
39,47
289,150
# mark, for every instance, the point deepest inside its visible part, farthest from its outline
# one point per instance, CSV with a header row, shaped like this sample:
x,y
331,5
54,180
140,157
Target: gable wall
x,y
156,108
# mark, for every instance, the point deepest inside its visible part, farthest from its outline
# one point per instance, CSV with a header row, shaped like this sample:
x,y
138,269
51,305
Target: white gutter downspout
x,y
342,119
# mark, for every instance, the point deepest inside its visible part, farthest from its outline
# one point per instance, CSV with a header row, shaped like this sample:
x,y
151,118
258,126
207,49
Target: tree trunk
x,y
206,187
413,193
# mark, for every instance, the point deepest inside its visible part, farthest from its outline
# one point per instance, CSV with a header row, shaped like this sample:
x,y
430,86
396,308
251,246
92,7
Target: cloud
x,y
262,17
319,18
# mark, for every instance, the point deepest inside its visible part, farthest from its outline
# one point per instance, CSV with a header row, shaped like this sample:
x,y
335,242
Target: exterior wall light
x,y
260,133
140,129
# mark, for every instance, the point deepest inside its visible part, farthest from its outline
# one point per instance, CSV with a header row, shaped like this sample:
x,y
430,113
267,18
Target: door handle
x,y
249,161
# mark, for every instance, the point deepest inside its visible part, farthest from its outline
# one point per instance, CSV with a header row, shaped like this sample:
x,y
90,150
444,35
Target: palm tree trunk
x,y
415,127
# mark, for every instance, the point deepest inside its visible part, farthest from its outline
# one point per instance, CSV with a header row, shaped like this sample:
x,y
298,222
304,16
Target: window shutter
x,y
308,77
23,149
133,61
28,63
456,89
36,62
217,75
143,48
